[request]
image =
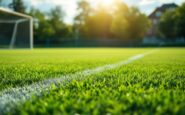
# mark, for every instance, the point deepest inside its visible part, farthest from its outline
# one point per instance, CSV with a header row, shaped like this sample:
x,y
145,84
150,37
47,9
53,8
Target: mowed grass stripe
x,y
12,97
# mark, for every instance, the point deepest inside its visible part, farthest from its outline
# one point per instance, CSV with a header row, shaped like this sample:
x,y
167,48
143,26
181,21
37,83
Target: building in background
x,y
156,15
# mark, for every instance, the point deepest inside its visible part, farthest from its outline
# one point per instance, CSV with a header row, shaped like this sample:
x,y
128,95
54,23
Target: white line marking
x,y
12,97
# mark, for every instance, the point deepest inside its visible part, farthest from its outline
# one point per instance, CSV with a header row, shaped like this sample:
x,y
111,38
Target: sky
x,y
70,6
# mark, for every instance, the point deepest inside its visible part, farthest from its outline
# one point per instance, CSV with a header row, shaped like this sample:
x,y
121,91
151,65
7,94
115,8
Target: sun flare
x,y
106,2
102,2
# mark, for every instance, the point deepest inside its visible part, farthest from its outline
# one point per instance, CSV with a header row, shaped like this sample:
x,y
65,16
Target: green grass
x,y
22,67
154,84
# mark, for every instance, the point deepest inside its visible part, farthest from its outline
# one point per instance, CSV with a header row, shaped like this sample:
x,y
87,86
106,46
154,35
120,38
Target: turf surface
x,y
154,84
22,67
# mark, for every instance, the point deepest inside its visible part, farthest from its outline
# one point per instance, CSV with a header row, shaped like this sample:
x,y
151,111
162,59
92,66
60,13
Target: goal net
x,y
16,30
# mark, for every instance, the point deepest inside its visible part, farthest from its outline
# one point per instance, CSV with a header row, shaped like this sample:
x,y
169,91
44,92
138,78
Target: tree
x,y
49,27
167,25
84,10
18,5
172,23
120,23
129,23
99,23
42,27
180,19
56,20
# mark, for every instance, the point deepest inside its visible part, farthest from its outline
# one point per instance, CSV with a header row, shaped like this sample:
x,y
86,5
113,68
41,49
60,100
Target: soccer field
x,y
93,81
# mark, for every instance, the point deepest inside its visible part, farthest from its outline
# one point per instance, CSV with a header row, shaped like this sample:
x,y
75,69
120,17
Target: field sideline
x,y
152,84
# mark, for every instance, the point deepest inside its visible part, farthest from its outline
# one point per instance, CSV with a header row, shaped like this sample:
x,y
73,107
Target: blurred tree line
x,y
119,21
172,23
116,22
50,26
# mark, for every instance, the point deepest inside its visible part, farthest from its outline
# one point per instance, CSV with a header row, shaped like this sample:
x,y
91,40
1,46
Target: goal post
x,y
16,30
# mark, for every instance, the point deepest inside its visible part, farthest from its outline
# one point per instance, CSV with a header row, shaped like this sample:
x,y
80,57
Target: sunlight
x,y
106,3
